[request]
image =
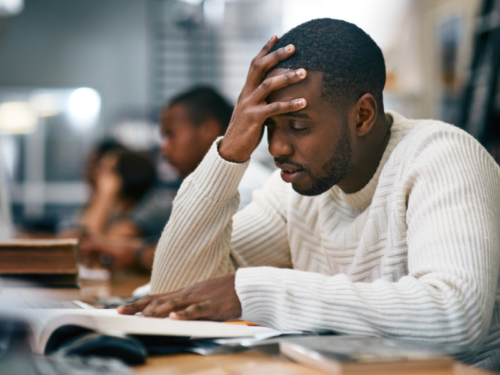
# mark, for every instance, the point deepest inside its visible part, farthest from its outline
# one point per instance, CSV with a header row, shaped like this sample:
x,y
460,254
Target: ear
x,y
210,130
366,114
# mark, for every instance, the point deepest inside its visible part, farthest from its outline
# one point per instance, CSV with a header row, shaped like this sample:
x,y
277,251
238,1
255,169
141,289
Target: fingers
x,y
261,66
278,108
275,83
150,304
137,306
193,312
263,52
162,307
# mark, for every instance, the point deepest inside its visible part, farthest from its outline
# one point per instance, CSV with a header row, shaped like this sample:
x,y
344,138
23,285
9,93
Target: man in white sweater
x,y
377,225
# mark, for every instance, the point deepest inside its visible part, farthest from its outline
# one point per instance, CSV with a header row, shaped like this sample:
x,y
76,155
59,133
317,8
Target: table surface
x,y
255,362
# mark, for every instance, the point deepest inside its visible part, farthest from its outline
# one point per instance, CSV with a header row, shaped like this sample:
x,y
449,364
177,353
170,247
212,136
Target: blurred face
x,y
184,144
312,147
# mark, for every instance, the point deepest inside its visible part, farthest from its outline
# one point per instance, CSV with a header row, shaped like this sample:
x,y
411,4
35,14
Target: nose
x,y
165,147
278,143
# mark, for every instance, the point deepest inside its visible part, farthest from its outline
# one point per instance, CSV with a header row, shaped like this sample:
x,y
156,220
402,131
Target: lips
x,y
290,173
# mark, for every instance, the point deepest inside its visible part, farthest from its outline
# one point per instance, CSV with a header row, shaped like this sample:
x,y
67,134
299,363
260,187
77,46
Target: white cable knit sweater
x,y
414,254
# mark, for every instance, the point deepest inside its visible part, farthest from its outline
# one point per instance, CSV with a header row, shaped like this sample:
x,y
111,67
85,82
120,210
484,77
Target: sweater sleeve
x,y
199,243
448,295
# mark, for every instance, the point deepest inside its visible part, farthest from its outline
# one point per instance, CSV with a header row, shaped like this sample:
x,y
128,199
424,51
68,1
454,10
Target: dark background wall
x,y
74,43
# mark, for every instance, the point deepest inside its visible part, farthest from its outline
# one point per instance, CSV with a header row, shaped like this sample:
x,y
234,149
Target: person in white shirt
x,y
376,225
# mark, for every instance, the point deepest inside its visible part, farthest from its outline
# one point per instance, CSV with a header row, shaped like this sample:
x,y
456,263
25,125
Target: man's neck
x,y
367,168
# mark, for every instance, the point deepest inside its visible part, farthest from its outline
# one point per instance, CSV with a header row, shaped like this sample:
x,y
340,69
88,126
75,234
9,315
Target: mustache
x,y
289,162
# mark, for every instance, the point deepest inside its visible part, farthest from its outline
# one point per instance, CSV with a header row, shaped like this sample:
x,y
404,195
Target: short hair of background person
x,y
190,123
203,102
351,62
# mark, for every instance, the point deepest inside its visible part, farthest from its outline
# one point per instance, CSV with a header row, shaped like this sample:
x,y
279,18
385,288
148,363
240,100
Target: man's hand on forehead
x,y
251,110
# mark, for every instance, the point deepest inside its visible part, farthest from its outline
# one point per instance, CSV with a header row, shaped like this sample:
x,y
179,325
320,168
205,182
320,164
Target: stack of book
x,y
42,262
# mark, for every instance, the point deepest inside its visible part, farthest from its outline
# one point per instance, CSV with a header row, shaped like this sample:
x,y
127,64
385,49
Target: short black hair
x,y
204,102
137,172
107,145
351,62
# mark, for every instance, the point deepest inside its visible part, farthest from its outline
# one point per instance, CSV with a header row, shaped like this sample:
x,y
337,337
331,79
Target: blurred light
x,y
84,106
193,2
213,11
17,118
376,18
137,134
8,154
11,7
45,105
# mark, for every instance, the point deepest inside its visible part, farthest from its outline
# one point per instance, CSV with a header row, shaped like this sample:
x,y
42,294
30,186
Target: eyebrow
x,y
298,114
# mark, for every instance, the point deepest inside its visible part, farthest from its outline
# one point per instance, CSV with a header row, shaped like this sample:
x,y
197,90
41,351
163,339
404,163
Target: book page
x,y
46,321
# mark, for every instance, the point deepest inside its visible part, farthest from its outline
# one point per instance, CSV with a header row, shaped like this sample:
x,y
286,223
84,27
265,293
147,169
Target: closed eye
x,y
299,127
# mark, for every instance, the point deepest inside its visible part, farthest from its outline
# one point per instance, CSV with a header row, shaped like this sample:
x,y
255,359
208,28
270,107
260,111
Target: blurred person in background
x,y
73,228
104,147
190,123
121,180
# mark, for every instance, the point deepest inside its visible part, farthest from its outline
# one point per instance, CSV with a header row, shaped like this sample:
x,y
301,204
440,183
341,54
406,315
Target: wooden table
x,y
249,363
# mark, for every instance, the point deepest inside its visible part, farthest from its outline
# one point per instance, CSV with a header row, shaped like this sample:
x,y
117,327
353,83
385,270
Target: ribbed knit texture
x,y
414,254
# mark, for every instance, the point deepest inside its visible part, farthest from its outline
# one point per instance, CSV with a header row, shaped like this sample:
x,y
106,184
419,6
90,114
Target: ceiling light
x,y
84,105
17,118
11,7
45,104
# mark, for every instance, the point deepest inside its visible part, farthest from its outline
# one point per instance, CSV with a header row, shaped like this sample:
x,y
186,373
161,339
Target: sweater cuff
x,y
261,292
217,178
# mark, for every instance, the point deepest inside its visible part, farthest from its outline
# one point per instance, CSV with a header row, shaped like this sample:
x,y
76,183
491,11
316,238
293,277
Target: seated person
x,y
376,224
99,151
190,123
121,180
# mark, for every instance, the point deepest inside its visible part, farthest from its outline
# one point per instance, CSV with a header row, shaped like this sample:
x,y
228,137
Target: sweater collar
x,y
361,199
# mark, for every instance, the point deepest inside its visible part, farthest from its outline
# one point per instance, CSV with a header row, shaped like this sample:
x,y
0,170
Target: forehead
x,y
309,89
174,115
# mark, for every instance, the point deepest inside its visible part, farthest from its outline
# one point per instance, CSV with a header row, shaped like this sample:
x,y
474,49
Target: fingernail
x,y
172,315
300,102
301,72
289,47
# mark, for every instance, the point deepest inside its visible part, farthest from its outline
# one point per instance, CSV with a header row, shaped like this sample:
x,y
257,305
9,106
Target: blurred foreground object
x,y
16,357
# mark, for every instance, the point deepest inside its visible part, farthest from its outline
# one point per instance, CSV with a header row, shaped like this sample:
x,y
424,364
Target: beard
x,y
337,167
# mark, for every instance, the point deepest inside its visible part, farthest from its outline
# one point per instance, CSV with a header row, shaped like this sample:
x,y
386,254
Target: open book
x,y
52,327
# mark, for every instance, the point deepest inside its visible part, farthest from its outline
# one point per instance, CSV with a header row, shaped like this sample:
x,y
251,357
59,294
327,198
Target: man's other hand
x,y
251,111
214,299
